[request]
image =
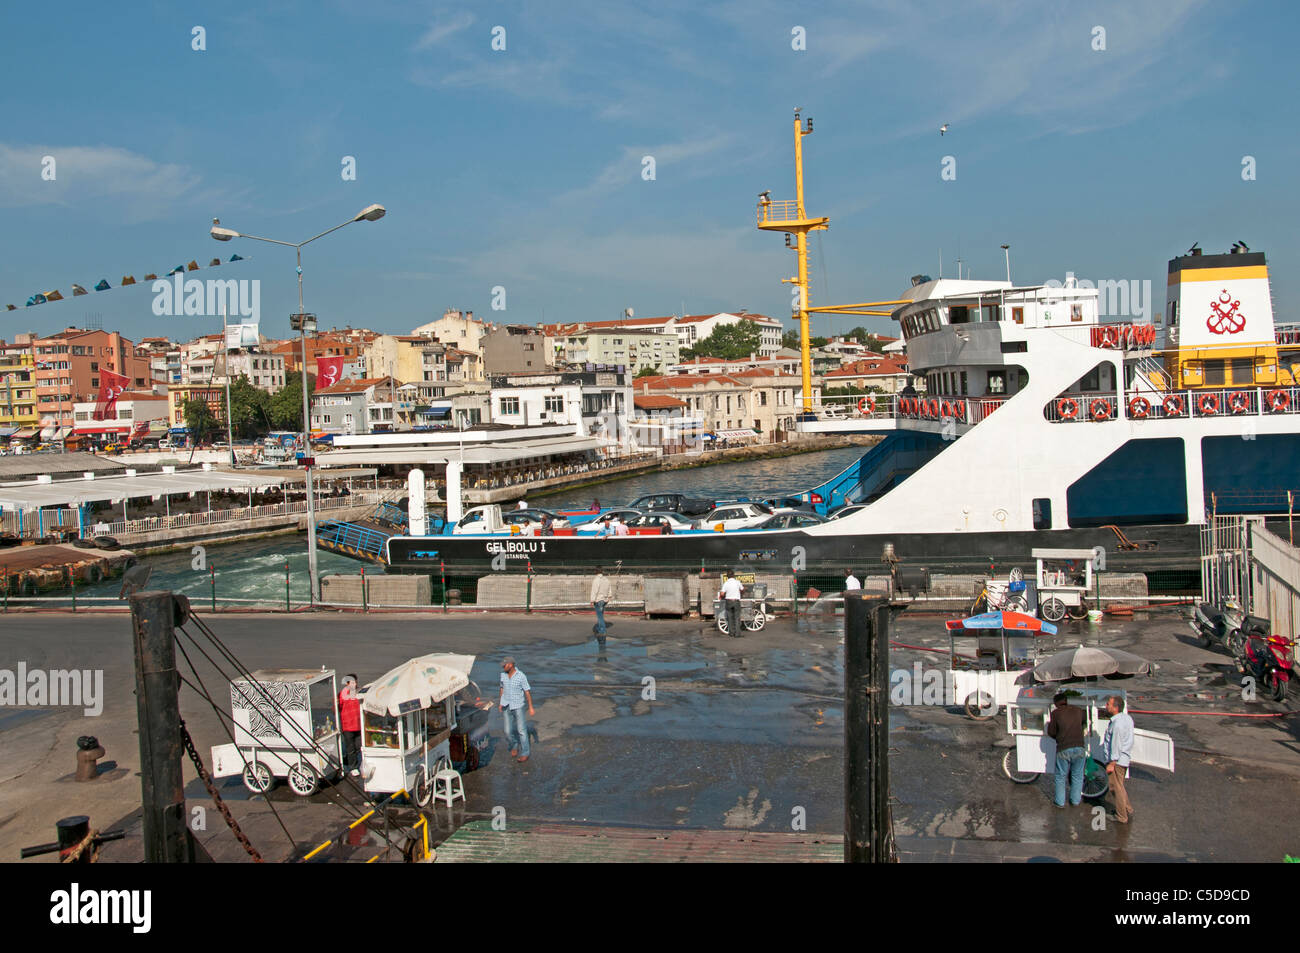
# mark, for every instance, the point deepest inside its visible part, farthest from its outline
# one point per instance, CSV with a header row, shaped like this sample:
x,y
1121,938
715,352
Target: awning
x,y
8,431
103,428
735,434
179,430
435,410
24,434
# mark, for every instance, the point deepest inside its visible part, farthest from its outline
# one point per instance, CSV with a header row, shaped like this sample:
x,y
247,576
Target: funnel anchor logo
x,y
1225,321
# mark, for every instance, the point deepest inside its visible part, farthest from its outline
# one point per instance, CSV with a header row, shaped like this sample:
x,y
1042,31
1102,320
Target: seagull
x,y
943,129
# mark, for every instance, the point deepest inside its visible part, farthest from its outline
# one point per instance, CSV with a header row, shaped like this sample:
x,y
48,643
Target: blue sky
x,y
521,168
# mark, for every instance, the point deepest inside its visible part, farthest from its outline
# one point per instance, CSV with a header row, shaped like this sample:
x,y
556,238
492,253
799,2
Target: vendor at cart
x,y
350,724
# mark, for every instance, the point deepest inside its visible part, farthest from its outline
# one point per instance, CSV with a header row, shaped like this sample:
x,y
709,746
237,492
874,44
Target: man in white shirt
x,y
523,505
851,581
730,596
601,591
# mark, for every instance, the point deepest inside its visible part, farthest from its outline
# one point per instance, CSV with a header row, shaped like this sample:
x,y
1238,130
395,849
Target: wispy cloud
x,y
442,29
147,189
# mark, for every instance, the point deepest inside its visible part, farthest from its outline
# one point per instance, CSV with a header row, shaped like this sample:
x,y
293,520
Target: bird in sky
x,y
943,129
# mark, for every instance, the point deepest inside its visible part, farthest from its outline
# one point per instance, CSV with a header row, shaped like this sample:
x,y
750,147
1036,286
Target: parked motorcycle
x,y
1226,625
1266,658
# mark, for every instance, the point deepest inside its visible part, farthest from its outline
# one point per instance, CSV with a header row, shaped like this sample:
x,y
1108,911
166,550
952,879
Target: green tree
x,y
285,406
249,408
199,418
730,342
647,372
791,340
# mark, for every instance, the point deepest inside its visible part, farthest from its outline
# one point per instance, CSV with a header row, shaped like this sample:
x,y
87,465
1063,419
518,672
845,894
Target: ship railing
x,y
1287,333
1076,407
858,406
781,210
1154,405
956,407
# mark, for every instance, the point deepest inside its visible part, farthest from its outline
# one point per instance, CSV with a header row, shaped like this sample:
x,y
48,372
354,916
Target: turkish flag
x,y
329,370
111,386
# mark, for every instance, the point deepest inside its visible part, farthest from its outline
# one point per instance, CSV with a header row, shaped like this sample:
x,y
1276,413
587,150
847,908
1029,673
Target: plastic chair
x,y
448,786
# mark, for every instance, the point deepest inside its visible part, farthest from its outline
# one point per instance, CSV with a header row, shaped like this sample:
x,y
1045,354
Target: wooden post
x,y
154,616
868,828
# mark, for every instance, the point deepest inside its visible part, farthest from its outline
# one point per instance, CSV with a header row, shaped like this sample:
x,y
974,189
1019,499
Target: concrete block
x,y
380,590
667,595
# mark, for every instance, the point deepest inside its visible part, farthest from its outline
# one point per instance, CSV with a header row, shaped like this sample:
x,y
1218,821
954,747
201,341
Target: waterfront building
x,y
350,343
887,374
214,395
517,349
757,399
135,414
407,357
781,363
635,348
459,329
664,421
594,402
363,406
689,329
205,361
18,412
68,366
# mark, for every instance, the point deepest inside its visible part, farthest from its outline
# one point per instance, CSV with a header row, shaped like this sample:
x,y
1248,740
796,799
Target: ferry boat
x,y
1040,424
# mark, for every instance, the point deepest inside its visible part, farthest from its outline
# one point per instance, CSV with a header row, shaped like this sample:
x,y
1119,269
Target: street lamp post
x,y
1006,250
371,213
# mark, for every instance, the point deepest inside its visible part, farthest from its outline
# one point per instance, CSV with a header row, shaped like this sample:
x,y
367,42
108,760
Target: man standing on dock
x,y
730,595
601,592
851,583
350,724
1119,747
515,692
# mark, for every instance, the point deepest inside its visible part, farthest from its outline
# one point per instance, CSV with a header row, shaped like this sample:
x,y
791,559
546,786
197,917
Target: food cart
x,y
286,726
990,657
1034,753
1064,578
407,719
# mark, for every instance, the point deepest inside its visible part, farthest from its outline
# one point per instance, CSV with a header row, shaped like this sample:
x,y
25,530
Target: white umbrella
x,y
417,683
1089,661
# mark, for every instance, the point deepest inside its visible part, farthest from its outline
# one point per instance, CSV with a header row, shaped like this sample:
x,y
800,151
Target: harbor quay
x,y
669,727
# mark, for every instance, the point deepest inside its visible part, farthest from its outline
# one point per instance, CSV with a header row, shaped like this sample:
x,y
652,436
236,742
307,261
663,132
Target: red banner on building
x,y
329,370
111,387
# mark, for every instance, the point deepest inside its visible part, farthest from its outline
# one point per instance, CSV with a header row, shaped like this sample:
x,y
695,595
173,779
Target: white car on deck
x,y
736,516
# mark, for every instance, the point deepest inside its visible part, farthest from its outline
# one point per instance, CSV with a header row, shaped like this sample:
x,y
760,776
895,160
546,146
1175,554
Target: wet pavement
x,y
673,726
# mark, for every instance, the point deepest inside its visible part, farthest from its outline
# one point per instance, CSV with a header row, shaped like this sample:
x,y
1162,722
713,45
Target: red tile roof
x,y
657,402
351,386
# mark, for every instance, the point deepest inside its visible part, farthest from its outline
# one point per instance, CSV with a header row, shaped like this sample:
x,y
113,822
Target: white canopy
x,y
417,683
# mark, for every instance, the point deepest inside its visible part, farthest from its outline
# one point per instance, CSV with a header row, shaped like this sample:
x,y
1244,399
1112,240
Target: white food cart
x,y
1034,753
1064,579
286,726
990,657
407,718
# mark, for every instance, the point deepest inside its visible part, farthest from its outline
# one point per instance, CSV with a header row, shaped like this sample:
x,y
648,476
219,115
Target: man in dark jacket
x,y
1066,726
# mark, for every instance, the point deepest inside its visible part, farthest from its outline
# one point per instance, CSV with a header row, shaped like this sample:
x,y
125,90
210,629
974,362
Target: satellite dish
x,y
133,579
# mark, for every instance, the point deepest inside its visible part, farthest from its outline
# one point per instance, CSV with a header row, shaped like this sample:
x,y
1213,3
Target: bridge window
x,y
1076,312
1042,514
1216,372
1243,370
959,314
1018,315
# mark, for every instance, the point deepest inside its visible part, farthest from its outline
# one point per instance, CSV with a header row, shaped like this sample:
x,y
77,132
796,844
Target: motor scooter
x,y
1266,659
1226,626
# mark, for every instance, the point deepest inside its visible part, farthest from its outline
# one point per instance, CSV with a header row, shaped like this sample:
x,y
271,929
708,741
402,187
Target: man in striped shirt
x,y
515,692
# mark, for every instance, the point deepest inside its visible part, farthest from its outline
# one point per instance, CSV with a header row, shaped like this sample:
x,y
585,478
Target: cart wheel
x,y
258,777
1080,611
303,780
1009,769
1015,575
979,705
1095,780
756,624
721,619
423,788
1053,609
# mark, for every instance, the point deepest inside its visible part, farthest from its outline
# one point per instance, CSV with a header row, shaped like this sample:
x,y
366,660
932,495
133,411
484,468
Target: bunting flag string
x,y
103,285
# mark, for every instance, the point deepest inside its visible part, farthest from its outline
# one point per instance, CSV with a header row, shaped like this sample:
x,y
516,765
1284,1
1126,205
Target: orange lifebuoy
x,y
1139,407
1110,337
1208,404
1278,401
906,405
867,405
1067,408
1172,406
959,409
934,407
1239,401
1099,409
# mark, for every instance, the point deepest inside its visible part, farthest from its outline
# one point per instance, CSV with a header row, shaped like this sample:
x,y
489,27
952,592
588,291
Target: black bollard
x,y
868,827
